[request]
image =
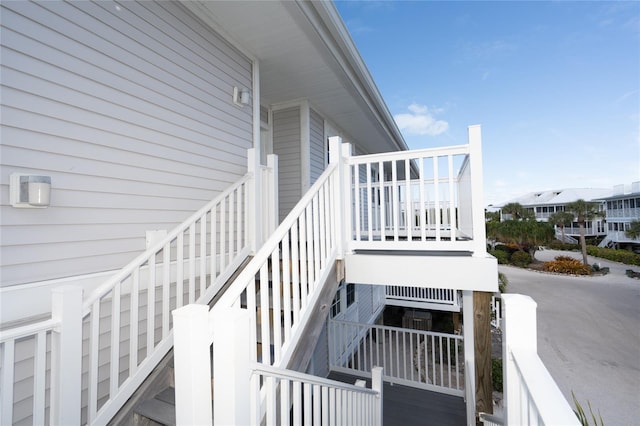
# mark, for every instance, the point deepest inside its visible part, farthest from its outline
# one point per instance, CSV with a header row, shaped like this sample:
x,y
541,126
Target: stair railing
x,y
291,266
189,265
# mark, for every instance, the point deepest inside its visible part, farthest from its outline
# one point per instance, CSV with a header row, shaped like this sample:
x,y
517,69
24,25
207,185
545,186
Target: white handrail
x,y
189,265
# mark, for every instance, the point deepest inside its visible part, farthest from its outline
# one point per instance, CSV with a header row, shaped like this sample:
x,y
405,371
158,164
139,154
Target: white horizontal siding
x,y
287,146
317,145
128,108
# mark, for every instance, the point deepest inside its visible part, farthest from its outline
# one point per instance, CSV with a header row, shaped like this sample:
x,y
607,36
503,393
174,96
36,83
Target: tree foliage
x,y
561,220
583,211
527,235
634,230
517,212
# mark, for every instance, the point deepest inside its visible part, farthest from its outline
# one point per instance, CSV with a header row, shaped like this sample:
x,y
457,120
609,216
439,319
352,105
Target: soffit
x,y
301,59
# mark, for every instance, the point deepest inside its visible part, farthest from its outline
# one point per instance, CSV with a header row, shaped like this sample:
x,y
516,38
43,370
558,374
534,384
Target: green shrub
x,y
496,374
505,248
559,245
502,256
567,265
622,256
521,258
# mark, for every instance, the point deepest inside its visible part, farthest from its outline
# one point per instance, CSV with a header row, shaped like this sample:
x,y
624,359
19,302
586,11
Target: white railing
x,y
292,265
423,359
417,200
531,396
124,328
294,398
418,296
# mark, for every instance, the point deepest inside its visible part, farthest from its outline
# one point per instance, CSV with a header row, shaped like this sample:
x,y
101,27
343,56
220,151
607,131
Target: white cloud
x,y
421,121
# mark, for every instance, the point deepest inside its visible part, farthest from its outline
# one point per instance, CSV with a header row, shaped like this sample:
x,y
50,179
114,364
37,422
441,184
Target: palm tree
x,y
634,230
517,212
583,211
561,220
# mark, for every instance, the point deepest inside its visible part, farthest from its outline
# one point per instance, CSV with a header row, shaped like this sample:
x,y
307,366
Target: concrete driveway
x,y
588,334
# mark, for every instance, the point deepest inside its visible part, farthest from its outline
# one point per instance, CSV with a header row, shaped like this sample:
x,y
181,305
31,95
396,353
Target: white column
x,y
335,157
66,355
347,208
477,191
272,195
518,332
231,370
469,356
192,363
255,199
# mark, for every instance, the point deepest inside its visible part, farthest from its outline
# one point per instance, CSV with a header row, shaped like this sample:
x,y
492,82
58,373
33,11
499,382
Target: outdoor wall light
x,y
241,96
29,191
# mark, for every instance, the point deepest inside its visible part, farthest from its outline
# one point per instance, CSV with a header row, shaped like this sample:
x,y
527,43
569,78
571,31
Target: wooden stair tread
x,y
158,411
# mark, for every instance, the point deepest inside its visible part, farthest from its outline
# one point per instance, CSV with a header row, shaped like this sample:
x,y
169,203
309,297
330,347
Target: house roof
x,y
559,197
305,52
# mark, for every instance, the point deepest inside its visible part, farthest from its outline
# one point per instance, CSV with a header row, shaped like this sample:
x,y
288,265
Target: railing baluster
x,y
180,270
303,261
93,361
286,286
151,304
276,297
39,379
203,255
133,321
408,200
369,202
381,181
295,273
192,263
114,362
231,238
395,199
357,208
223,234
166,290
265,335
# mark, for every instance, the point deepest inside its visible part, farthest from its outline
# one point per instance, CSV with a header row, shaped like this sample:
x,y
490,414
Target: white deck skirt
x,y
423,270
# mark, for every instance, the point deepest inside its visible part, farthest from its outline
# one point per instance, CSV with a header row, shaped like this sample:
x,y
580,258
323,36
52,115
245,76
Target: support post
x,y
477,192
469,354
66,355
377,385
482,351
192,360
272,196
335,157
256,206
231,370
518,332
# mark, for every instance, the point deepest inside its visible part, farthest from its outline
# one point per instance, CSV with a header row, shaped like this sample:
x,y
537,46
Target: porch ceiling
x,y
305,52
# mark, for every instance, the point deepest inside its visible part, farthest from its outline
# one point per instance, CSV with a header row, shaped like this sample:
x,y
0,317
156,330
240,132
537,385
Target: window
x,y
335,305
351,294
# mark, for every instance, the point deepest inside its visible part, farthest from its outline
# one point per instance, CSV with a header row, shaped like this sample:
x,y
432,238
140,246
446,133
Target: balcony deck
x,y
409,406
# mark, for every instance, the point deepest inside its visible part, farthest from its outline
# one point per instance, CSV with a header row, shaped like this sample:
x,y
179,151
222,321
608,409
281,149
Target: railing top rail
x,y
142,258
232,294
307,378
543,390
390,328
28,330
418,153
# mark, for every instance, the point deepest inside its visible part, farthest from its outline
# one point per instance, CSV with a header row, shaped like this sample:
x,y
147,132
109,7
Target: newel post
x,y
377,384
477,192
192,363
66,352
231,369
519,332
335,157
255,204
272,196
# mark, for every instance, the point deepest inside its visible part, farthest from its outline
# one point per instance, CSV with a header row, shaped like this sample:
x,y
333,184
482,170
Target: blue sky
x,y
555,85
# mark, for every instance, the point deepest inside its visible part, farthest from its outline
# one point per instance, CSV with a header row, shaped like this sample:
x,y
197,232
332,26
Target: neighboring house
x,y
545,203
621,208
153,125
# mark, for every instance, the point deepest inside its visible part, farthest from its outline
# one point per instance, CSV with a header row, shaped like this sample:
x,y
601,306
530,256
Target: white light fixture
x,y
29,191
241,96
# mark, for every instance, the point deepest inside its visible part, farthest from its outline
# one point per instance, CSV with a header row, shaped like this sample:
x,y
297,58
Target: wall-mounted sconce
x,y
29,191
241,96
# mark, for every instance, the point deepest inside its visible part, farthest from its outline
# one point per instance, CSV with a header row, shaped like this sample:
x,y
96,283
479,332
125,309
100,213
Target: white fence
x,y
417,200
531,396
424,359
124,328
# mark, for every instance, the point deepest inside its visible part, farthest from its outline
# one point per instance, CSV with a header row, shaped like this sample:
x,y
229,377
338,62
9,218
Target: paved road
x,y
588,334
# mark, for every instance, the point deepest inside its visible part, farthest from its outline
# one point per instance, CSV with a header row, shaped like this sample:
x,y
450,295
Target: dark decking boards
x,y
407,406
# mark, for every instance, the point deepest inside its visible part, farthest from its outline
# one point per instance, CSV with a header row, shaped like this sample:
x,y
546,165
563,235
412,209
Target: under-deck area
x,y
408,406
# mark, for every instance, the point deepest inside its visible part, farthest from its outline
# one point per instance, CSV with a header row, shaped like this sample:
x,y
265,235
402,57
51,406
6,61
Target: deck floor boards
x,y
407,406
